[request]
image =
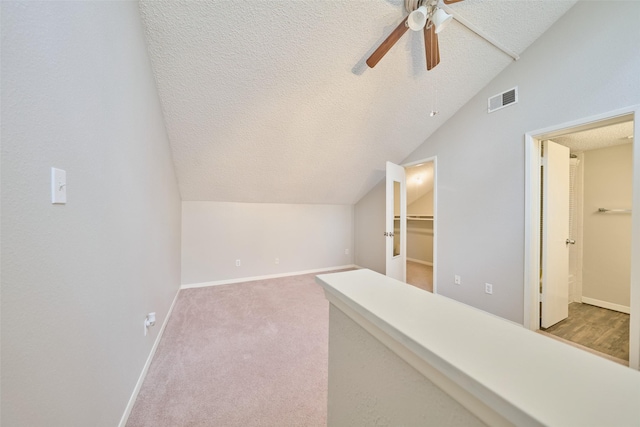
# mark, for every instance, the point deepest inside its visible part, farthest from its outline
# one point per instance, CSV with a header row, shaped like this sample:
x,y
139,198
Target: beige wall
x,y
608,184
420,232
78,279
422,206
420,241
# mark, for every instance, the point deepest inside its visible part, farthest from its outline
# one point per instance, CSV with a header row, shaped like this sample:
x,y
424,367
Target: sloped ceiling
x,y
419,181
271,101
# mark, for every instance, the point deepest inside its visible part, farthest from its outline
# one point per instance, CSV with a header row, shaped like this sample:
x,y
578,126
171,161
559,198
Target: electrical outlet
x,y
237,263
488,288
346,251
149,320
457,280
277,260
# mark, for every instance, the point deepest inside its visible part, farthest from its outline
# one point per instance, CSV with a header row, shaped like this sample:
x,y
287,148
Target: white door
x,y
555,233
396,223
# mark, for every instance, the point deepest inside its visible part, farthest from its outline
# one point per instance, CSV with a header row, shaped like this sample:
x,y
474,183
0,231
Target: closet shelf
x,y
416,217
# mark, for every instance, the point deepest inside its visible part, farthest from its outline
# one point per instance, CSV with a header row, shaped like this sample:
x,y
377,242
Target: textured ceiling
x,y
271,101
602,137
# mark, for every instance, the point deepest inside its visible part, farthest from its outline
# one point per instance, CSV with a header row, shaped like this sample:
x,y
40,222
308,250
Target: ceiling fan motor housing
x,y
411,5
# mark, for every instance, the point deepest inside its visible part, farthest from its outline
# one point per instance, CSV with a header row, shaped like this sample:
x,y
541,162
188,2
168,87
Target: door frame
x,y
433,159
532,220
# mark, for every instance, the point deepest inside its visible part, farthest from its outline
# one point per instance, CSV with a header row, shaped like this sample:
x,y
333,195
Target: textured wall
x,y
608,179
571,72
370,385
77,279
302,237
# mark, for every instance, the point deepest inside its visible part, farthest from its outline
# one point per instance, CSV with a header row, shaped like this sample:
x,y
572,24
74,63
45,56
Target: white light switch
x,y
58,186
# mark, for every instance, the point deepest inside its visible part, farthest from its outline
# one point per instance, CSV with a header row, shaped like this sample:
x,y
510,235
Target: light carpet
x,y
420,275
247,354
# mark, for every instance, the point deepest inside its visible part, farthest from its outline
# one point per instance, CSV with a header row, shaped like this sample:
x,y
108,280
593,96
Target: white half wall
x,y
78,279
571,72
302,237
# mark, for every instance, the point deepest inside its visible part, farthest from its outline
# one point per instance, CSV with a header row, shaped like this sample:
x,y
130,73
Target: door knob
x,y
570,242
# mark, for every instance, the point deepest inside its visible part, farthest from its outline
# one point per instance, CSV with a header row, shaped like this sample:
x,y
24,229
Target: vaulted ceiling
x,y
271,101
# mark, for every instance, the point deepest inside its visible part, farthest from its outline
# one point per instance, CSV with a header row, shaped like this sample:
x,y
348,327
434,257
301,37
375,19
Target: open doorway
x,y
583,287
598,240
410,222
420,219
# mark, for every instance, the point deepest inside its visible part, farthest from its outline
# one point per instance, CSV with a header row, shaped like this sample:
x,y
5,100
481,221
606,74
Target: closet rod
x,y
605,210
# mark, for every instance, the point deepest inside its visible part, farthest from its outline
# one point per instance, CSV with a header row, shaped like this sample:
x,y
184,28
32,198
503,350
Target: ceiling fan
x,y
423,15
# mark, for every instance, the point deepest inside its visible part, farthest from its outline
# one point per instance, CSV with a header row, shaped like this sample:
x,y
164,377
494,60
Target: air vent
x,y
503,99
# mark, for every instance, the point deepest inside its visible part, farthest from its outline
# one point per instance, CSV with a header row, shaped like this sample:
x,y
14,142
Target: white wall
x,y
572,71
369,226
302,237
78,279
608,178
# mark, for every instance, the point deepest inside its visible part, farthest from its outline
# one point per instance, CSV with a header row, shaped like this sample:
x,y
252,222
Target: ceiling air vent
x,y
503,99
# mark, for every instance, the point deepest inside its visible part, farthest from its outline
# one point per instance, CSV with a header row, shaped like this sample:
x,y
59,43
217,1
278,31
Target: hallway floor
x,y
602,330
420,275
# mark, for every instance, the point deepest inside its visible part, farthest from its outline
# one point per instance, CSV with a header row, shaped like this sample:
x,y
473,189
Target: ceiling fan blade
x,y
388,43
432,52
451,1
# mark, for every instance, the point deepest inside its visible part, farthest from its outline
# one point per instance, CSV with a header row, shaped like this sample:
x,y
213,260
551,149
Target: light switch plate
x,y
58,186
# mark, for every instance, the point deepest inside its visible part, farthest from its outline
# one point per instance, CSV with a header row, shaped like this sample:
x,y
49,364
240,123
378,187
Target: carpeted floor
x,y
250,354
420,275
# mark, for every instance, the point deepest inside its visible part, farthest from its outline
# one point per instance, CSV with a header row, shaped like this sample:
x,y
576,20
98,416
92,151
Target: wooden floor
x,y
420,275
595,329
602,330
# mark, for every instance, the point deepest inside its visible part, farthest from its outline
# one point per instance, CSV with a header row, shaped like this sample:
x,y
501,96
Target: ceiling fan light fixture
x,y
418,18
440,19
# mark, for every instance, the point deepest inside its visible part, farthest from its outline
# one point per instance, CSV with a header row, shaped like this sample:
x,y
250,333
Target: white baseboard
x,y
419,261
143,374
605,304
270,276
